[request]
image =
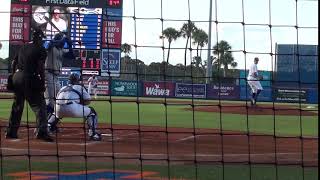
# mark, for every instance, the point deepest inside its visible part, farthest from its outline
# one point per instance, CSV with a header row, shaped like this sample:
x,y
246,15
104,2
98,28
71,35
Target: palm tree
x,y
225,58
171,34
200,38
126,49
186,30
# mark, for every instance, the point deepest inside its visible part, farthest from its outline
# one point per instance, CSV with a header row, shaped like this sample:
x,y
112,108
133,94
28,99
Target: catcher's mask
x,y
74,78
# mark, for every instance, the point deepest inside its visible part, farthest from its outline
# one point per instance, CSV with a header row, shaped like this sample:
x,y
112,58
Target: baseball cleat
x,y
52,128
44,136
11,135
96,137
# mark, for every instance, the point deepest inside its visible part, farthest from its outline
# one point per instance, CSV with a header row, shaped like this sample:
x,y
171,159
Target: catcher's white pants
x,y
255,85
72,110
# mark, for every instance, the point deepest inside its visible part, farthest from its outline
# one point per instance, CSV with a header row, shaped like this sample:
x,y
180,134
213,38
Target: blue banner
x,y
113,14
297,64
265,95
223,91
312,96
290,95
110,61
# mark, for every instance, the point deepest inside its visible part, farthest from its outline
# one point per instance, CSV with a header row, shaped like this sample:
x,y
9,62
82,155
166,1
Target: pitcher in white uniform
x,y
253,81
73,101
93,85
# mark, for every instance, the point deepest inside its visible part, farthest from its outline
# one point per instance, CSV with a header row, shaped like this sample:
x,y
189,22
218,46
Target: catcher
x,y
72,101
254,81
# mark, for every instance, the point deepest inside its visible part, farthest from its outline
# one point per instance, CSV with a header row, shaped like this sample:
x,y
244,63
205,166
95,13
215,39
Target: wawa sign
x,y
159,89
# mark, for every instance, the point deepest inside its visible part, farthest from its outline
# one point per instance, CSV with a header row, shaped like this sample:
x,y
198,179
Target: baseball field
x,y
157,138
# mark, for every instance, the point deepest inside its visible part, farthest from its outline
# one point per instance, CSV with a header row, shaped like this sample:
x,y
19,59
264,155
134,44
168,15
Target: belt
x,y
28,74
68,103
55,72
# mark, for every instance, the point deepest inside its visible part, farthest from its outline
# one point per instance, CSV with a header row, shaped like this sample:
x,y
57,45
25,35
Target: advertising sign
x,y
114,3
3,83
19,24
103,85
265,95
290,95
113,14
223,91
63,80
191,90
158,89
124,88
110,62
111,34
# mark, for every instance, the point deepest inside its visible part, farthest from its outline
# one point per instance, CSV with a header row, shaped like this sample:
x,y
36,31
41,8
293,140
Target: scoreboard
x,y
95,32
85,29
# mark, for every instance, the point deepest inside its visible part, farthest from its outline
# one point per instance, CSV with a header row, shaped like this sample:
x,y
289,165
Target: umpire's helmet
x,y
74,78
37,34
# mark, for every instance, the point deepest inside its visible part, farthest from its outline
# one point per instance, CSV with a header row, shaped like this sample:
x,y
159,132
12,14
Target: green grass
x,y
153,114
201,172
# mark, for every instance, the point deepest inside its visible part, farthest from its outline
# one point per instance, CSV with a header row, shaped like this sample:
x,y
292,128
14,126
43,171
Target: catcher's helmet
x,y
74,78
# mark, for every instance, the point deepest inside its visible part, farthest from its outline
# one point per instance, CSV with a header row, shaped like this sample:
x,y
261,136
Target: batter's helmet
x,y
58,37
74,78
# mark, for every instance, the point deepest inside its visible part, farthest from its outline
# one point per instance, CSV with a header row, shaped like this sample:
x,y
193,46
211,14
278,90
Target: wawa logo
x,y
92,174
157,91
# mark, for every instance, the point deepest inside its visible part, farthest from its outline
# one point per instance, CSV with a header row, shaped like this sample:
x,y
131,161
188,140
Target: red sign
x,y
111,34
19,23
114,3
103,85
3,83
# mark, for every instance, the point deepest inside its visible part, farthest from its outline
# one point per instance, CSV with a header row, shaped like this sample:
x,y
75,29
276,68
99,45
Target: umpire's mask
x,y
37,36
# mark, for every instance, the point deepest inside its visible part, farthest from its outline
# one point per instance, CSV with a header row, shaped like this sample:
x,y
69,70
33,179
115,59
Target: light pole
x,y
209,60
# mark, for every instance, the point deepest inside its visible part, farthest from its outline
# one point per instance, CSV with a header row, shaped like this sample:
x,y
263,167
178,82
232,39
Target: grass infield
x,y
175,115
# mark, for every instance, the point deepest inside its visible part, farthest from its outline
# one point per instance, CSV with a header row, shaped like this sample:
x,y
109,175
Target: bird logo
x,y
119,89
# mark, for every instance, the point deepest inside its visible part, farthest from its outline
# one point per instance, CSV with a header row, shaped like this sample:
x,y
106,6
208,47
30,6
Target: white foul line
x,y
166,155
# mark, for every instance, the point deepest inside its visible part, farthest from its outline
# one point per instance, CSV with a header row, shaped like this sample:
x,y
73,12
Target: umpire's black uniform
x,y
28,84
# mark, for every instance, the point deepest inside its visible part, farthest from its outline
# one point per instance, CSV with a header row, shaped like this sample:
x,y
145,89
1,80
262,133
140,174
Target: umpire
x,y
28,84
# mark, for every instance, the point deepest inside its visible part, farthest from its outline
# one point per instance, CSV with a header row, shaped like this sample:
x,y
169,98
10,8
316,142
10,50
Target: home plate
x,y
310,107
109,135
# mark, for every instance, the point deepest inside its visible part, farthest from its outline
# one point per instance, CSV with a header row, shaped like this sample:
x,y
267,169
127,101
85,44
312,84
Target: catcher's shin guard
x,y
52,123
92,121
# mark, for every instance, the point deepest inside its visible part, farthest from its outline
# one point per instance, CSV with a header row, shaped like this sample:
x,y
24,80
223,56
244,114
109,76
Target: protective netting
x,y
177,104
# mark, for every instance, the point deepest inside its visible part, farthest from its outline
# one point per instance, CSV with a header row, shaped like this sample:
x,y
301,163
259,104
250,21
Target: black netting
x,y
173,100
